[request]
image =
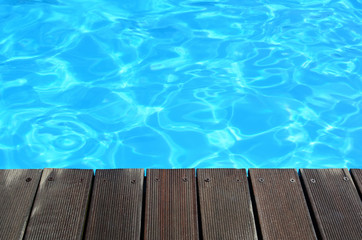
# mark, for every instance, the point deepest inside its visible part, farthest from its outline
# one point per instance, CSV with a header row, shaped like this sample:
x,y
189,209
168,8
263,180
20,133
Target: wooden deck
x,y
181,204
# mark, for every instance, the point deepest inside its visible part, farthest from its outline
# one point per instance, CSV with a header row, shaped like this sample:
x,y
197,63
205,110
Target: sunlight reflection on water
x,y
171,84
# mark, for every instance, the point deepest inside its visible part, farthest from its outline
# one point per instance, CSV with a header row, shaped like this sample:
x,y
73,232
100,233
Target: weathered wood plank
x,y
17,192
335,202
171,205
357,176
116,206
225,204
281,206
60,205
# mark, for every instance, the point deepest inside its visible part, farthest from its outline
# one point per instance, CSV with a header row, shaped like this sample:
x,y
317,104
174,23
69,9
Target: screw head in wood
x,y
184,179
261,179
207,180
133,181
238,180
292,180
28,179
313,180
345,178
157,179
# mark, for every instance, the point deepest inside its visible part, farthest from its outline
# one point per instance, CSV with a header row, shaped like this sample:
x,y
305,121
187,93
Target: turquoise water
x,y
174,84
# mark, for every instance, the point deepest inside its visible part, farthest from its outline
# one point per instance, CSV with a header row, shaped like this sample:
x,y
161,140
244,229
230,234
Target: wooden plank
x,y
60,205
225,204
17,192
335,202
357,176
171,205
281,206
116,205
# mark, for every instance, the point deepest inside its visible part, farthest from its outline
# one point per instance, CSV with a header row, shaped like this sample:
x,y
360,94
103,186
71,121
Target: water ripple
x,y
164,83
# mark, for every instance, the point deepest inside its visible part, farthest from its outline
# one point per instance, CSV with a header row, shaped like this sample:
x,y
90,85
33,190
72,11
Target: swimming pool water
x,y
178,84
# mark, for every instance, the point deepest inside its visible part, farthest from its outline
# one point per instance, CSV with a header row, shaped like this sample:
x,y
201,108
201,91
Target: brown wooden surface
x,y
17,192
171,205
281,206
335,203
225,204
357,177
61,198
60,205
116,205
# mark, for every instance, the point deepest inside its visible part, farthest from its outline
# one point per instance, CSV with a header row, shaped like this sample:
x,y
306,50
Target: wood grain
x,y
225,204
357,177
116,205
171,205
17,192
335,203
59,210
281,205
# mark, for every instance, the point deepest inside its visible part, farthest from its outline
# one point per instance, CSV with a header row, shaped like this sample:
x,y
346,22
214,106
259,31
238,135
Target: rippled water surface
x,y
174,84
